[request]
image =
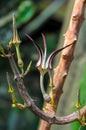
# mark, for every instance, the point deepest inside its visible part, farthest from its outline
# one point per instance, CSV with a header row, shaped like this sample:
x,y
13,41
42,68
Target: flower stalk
x,y
20,61
45,95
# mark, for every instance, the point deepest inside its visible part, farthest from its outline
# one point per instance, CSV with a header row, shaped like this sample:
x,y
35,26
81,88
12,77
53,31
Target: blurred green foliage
x,y
25,12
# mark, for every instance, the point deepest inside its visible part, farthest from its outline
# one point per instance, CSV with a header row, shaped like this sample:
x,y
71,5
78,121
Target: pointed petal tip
x,y
44,41
53,54
29,37
42,34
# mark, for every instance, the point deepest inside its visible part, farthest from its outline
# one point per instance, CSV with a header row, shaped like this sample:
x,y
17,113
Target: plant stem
x,y
45,95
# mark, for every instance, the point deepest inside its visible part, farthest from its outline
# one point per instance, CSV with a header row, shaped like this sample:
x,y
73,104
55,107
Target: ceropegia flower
x,y
44,64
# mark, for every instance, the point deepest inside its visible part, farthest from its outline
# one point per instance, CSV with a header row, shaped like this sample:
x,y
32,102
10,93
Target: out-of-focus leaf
x,y
25,12
76,126
12,120
44,16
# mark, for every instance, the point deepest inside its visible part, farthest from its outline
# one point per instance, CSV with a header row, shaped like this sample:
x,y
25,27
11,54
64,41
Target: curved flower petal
x,y
44,41
45,51
52,55
38,50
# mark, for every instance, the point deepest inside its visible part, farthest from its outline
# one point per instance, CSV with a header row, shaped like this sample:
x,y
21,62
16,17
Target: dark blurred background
x,y
32,17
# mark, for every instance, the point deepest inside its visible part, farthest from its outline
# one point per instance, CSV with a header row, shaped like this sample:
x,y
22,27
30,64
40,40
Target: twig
x,y
17,77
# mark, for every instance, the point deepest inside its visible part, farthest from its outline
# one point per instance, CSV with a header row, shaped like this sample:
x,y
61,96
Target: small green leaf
x,y
28,68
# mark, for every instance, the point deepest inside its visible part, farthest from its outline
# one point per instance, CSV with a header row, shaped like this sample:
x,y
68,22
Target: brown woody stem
x,y
61,71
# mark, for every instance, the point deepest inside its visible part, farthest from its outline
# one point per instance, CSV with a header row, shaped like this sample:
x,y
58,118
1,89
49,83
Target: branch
x,y
51,119
71,36
22,90
61,71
